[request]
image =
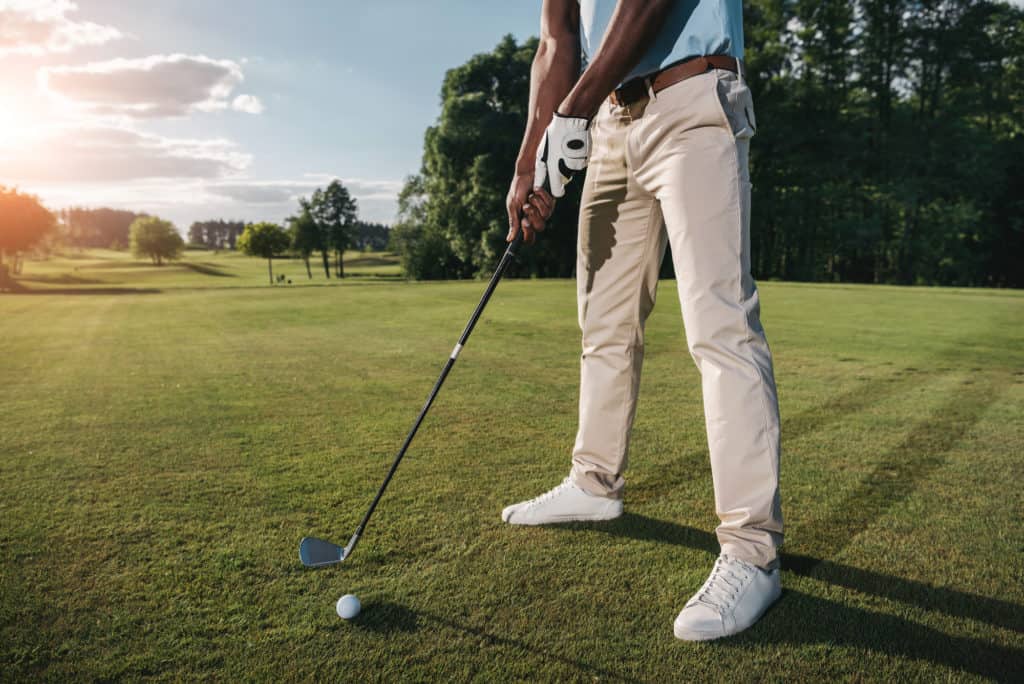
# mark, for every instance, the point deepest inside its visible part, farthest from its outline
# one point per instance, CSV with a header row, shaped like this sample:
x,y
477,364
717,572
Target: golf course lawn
x,y
170,434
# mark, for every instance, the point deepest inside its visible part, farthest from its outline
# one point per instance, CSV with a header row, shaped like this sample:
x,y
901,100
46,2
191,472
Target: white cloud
x,y
37,27
250,104
258,193
358,187
277,191
277,199
155,86
95,153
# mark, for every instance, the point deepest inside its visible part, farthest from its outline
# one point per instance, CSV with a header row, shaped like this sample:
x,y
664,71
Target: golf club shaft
x,y
510,253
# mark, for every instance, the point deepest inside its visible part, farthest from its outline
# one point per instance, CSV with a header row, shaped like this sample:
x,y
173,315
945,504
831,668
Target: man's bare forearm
x,y
632,30
556,66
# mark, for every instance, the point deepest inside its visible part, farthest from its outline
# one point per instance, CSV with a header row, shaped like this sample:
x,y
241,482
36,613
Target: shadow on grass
x,y
834,410
379,276
386,617
18,289
801,618
62,279
370,261
958,604
207,269
390,618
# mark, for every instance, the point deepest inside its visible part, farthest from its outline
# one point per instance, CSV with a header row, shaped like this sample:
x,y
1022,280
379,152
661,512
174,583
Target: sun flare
x,y
14,122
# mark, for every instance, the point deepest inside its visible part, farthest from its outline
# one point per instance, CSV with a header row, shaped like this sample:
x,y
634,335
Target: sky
x,y
195,110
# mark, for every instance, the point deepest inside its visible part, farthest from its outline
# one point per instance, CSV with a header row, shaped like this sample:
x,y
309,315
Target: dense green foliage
x,y
889,148
155,239
265,240
891,141
369,236
452,220
164,452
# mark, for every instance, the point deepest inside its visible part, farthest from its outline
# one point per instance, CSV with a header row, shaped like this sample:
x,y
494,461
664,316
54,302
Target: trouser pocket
x,y
735,103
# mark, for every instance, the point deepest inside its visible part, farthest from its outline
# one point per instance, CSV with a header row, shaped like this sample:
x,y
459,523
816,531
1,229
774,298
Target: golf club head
x,y
316,553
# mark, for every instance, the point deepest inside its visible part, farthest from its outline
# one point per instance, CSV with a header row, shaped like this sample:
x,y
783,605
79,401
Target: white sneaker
x,y
733,598
564,503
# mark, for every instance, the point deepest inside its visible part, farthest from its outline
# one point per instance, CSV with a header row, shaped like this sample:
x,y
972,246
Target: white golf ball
x,y
348,607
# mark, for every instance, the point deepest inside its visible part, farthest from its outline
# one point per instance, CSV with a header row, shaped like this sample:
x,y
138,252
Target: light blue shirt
x,y
693,28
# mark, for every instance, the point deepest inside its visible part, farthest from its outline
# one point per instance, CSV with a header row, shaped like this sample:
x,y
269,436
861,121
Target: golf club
x,y
315,553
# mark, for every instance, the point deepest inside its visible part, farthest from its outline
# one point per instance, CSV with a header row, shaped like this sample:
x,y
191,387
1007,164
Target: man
x,y
665,107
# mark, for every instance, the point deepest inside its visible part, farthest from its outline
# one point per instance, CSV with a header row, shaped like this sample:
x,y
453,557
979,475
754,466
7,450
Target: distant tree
x,y
157,239
370,236
103,227
317,235
305,237
196,234
23,223
335,211
264,240
217,234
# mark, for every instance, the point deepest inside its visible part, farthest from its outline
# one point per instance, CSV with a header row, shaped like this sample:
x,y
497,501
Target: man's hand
x,y
563,151
528,208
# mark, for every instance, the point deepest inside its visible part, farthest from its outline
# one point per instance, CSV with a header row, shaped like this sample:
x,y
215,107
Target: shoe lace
x,y
722,587
548,495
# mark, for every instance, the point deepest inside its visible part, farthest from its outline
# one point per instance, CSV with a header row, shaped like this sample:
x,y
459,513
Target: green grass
x,y
111,272
163,453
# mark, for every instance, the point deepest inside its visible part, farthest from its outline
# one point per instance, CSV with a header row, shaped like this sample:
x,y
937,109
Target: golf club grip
x,y
506,259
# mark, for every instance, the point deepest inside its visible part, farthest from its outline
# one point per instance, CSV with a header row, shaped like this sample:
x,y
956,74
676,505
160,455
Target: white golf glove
x,y
563,151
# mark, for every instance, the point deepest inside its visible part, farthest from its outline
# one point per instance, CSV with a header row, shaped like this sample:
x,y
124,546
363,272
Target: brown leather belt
x,y
637,89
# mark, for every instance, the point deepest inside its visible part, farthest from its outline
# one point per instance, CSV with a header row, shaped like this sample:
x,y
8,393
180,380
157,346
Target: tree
x,y
458,227
305,237
264,240
889,152
335,212
23,223
155,238
425,251
103,227
369,236
217,234
317,236
892,149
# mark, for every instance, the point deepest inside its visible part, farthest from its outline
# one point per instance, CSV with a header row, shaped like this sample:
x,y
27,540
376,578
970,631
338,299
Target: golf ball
x,y
348,607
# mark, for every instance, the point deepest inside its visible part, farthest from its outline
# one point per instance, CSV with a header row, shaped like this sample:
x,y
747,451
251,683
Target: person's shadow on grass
x,y
799,618
802,618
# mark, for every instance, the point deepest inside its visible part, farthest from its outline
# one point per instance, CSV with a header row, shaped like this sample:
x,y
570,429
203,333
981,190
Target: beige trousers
x,y
674,168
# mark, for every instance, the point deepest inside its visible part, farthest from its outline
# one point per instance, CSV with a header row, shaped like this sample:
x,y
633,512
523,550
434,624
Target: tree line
x,y
327,223
110,228
92,228
218,234
889,149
